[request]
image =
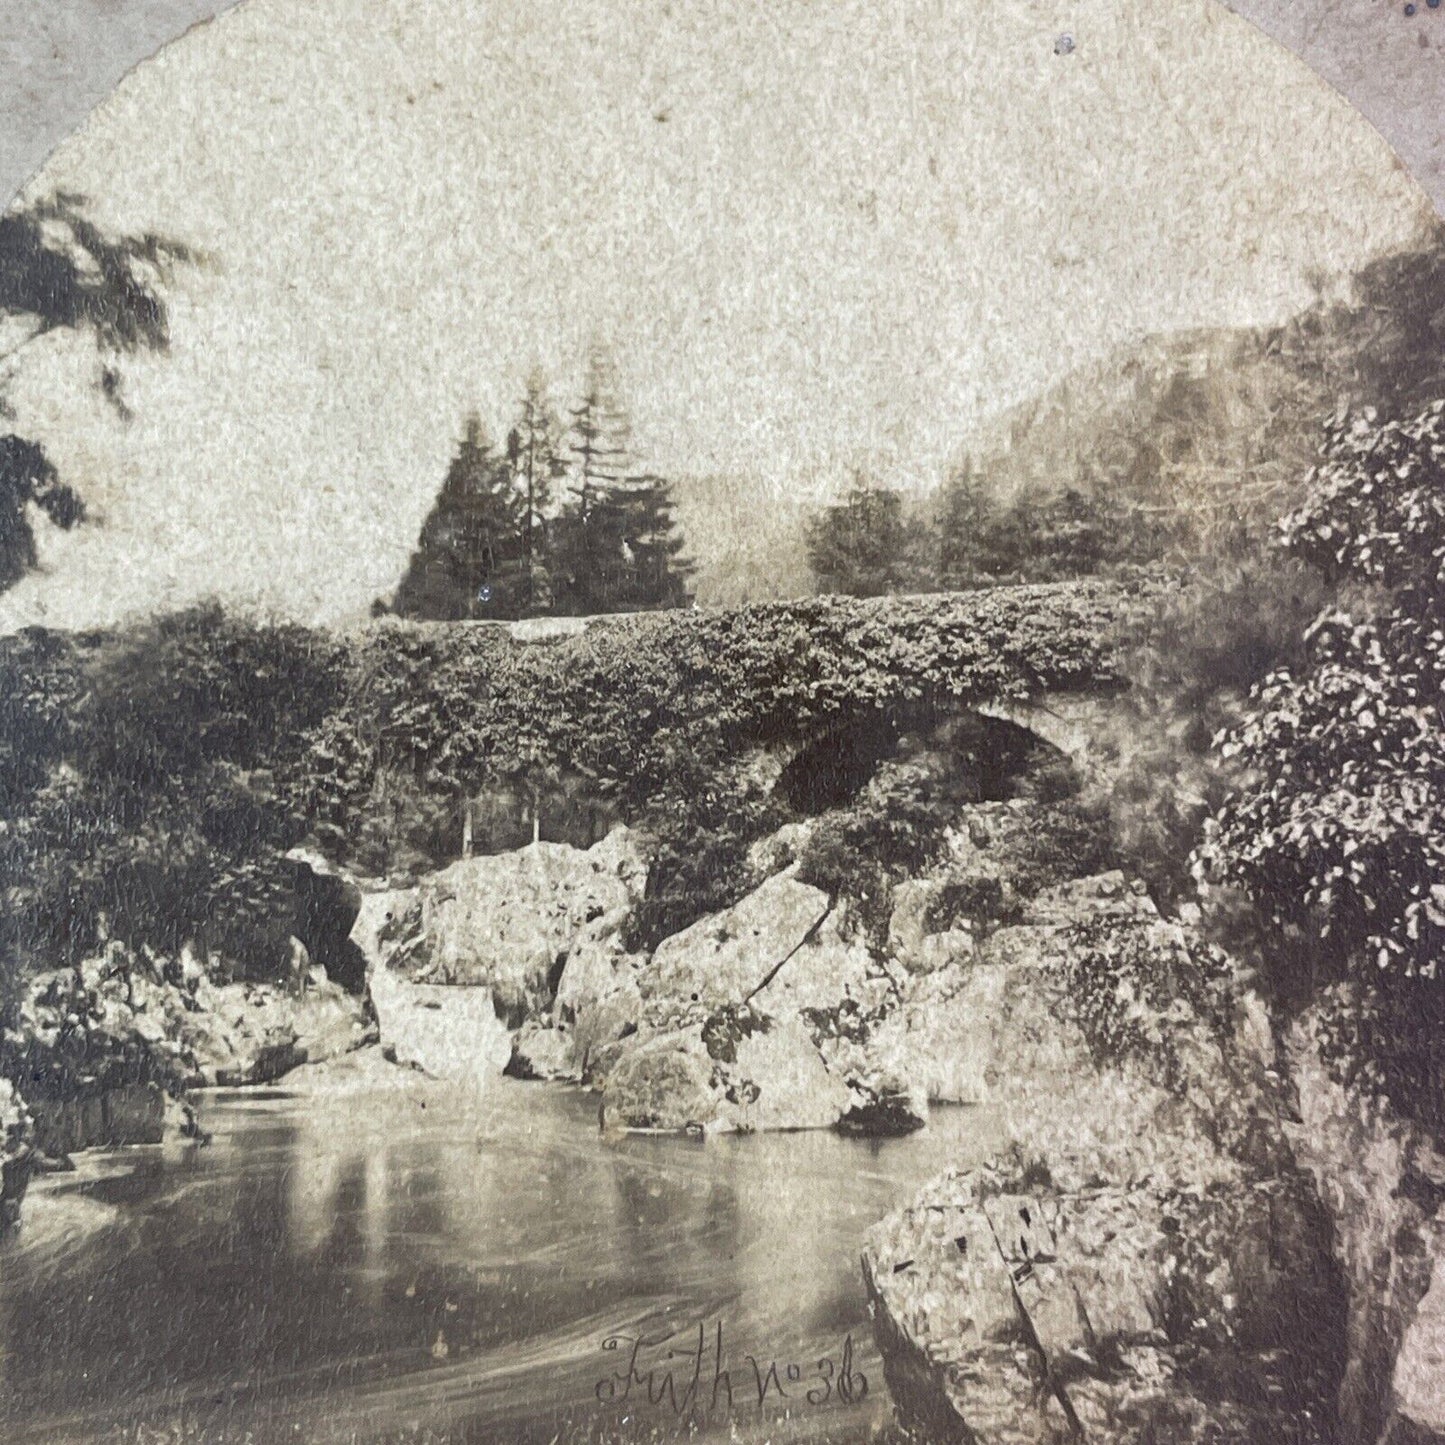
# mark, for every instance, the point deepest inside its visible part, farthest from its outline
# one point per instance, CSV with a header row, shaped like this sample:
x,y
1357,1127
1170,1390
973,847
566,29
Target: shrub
x,y
1049,844
979,898
1388,1043
1340,827
697,833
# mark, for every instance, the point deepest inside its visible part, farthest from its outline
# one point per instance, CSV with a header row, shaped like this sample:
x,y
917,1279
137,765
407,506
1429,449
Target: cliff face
x,y
1383,1181
1145,1263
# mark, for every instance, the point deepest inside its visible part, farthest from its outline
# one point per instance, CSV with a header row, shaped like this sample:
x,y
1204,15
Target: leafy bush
x,y
893,828
141,786
1340,828
697,833
1050,844
1387,1043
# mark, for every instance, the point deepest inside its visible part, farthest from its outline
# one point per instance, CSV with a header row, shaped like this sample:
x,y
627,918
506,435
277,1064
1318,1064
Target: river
x,y
423,1263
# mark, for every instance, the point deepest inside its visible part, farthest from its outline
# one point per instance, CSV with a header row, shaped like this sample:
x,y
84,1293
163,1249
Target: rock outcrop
x,y
448,1031
505,922
1382,1180
99,1049
1141,1258
254,1033
1010,1310
740,1010
967,1033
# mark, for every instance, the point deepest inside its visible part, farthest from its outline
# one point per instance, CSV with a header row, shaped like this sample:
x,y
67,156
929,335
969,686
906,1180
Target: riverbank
x,y
1136,1097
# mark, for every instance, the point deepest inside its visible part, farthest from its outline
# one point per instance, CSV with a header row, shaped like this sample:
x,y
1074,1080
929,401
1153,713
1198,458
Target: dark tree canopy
x,y
859,547
470,560
27,476
558,524
60,271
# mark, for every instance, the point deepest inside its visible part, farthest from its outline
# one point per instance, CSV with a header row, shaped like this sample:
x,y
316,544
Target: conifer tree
x,y
534,453
617,545
469,560
860,545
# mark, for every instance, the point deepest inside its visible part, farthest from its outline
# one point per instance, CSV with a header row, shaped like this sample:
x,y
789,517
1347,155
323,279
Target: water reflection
x,y
427,1264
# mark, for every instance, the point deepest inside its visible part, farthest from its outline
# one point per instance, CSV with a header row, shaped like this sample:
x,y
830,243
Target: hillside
x,y
1219,423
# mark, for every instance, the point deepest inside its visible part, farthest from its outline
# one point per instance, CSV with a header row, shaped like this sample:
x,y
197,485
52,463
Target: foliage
x,y
864,546
1386,1043
626,701
1339,830
617,549
470,560
141,789
151,780
1042,534
26,477
893,828
697,831
59,271
499,543
1192,652
534,453
1052,843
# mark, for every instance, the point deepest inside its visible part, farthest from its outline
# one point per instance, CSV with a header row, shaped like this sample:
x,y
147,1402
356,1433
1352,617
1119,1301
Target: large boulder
x,y
446,1031
731,958
249,1033
666,1082
504,922
752,998
742,1071
598,1003
543,1051
1005,1305
1148,1199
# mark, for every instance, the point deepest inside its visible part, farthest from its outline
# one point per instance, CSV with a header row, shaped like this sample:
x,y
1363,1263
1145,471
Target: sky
x,y
817,235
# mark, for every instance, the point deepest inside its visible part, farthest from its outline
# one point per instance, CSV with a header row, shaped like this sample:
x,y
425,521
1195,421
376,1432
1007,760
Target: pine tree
x,y
654,544
588,556
469,560
534,454
967,523
861,545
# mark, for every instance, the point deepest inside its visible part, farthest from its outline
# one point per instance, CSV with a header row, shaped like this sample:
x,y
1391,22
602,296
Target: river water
x,y
422,1263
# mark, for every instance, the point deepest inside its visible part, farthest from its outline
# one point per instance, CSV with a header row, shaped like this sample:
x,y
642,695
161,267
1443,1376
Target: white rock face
x,y
598,1001
722,959
1419,1381
447,1031
750,1041
505,922
984,1259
